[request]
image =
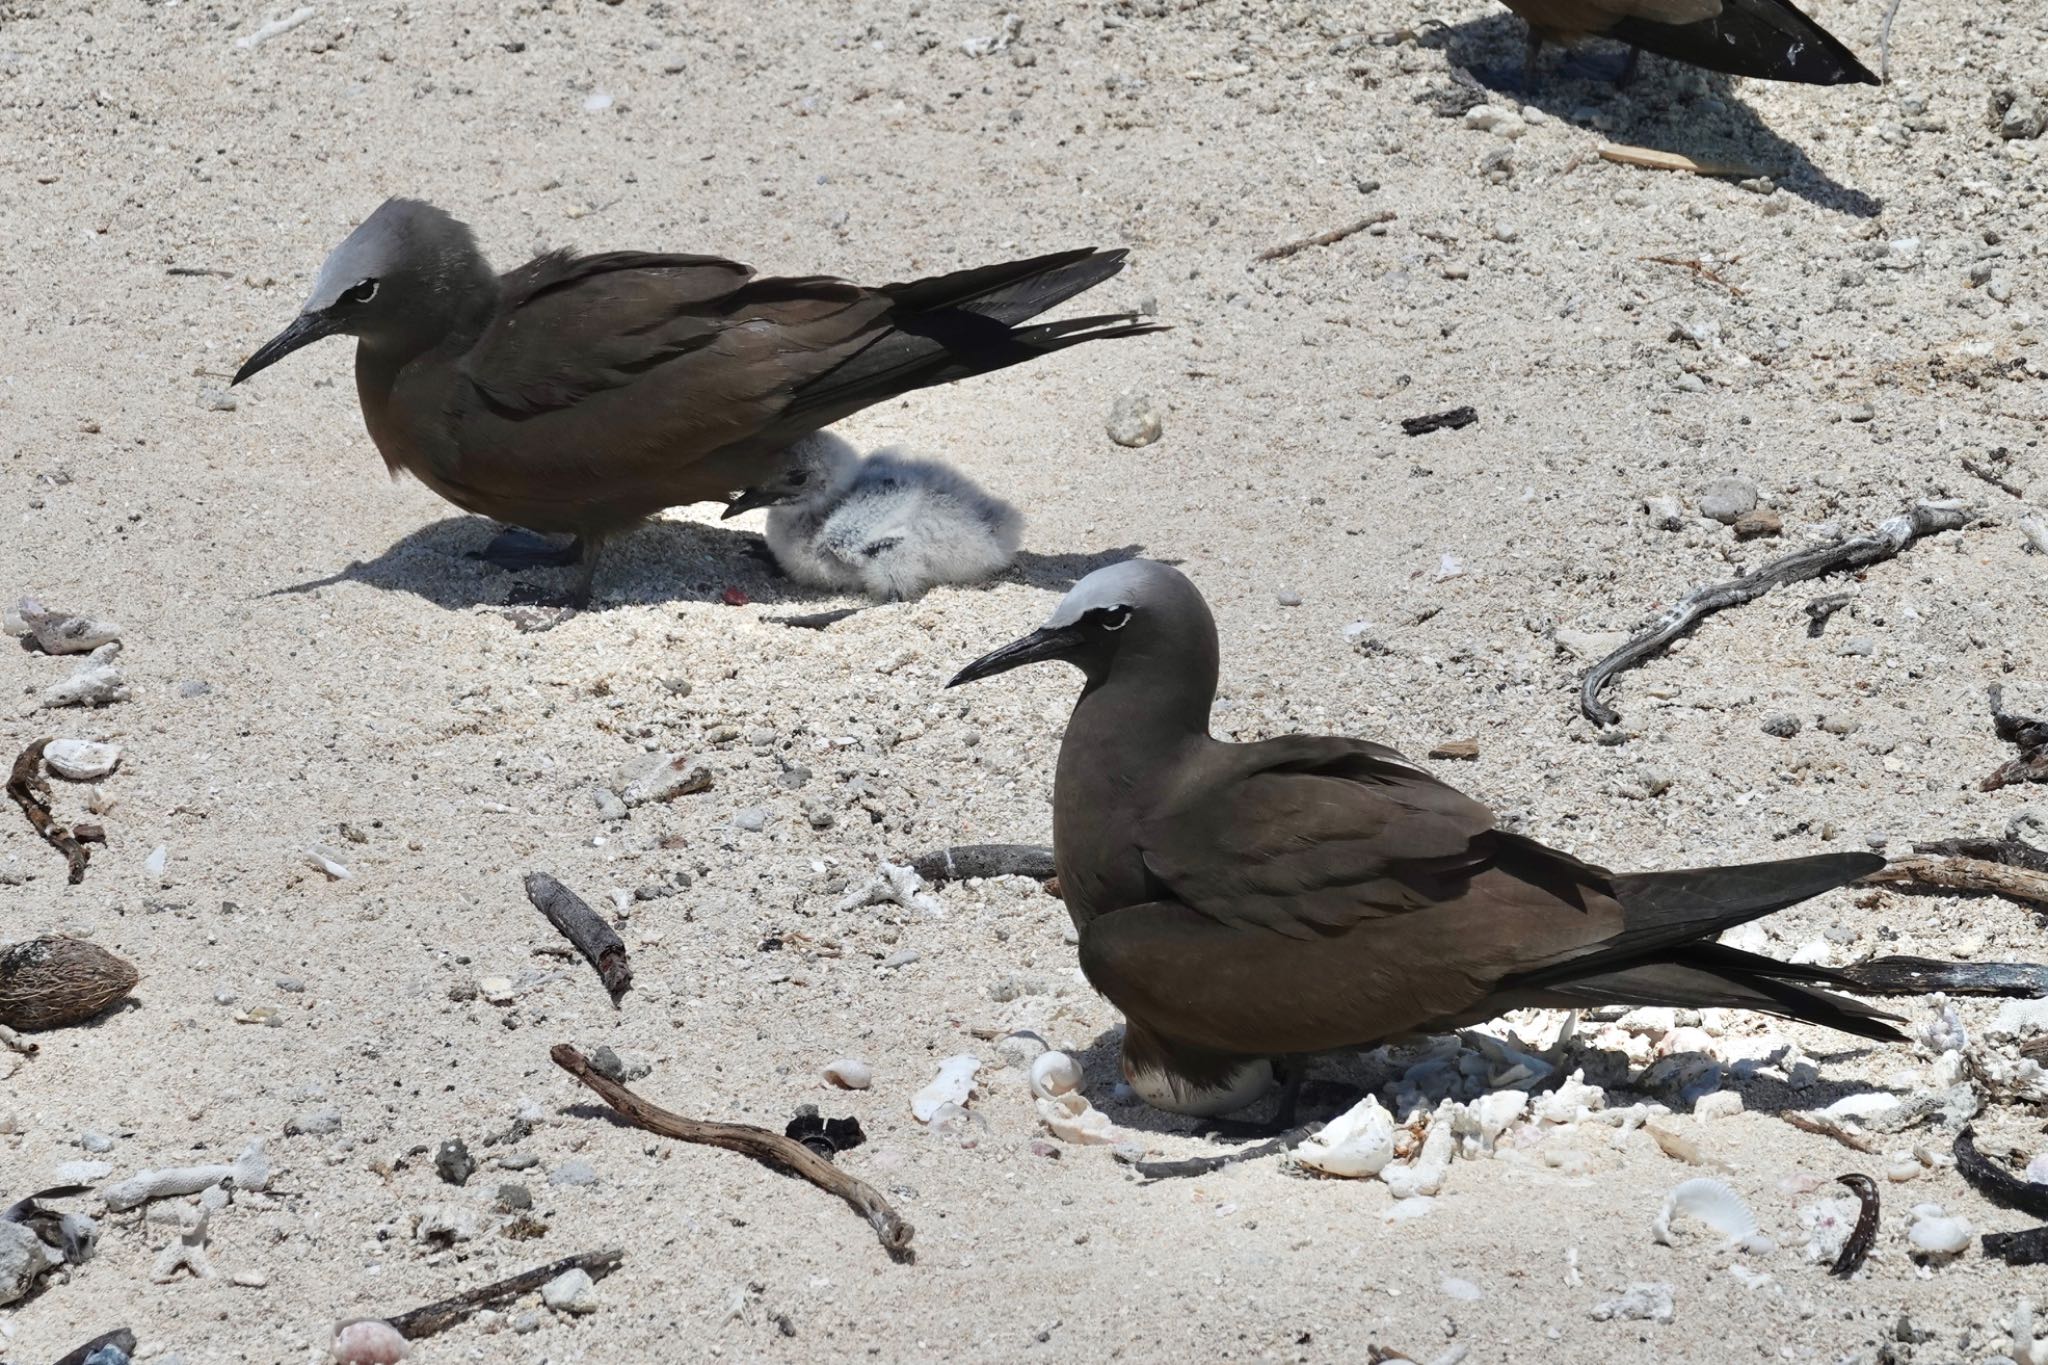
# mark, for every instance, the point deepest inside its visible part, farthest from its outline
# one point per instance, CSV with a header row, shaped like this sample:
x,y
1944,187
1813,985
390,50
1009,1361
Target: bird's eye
x,y
1116,618
362,293
799,479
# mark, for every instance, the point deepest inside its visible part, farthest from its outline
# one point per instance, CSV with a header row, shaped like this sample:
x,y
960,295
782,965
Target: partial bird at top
x,y
585,393
1771,40
1248,904
890,525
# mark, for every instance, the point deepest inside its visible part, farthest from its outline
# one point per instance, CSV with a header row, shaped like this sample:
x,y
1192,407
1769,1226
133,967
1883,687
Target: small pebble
x,y
753,820
95,1142
850,1073
1783,724
1288,599
452,1161
573,1172
313,1123
570,1292
1727,499
1133,421
514,1198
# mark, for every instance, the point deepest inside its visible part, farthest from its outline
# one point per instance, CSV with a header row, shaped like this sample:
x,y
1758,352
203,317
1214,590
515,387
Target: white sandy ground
x,y
363,675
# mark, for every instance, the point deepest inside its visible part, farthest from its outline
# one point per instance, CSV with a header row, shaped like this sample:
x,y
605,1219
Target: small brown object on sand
x,y
31,791
53,982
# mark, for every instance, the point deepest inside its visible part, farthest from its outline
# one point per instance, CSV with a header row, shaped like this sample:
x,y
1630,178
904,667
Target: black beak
x,y
1047,642
747,501
306,328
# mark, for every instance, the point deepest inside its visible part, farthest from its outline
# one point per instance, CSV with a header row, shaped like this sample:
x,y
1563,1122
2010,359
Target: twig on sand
x,y
442,1314
1887,541
1286,249
1698,267
1966,874
1993,477
2029,734
1654,159
1208,1165
569,913
767,1147
31,791
1814,1123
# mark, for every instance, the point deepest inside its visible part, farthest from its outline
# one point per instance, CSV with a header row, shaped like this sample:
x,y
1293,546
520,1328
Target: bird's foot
x,y
514,549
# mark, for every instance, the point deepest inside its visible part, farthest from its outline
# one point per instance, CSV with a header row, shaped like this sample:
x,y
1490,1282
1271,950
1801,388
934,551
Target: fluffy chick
x,y
890,525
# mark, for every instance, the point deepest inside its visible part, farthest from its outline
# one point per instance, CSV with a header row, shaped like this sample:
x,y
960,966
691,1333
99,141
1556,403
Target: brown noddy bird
x,y
1769,39
1246,904
585,393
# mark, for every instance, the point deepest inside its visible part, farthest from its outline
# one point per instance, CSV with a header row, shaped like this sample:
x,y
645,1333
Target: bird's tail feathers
x,y
1768,39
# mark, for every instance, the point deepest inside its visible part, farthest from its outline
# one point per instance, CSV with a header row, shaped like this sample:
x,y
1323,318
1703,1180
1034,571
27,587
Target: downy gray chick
x,y
890,525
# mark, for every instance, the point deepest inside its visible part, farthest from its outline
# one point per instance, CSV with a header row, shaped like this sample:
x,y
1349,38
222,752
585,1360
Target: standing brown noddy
x,y
1247,903
584,393
1769,40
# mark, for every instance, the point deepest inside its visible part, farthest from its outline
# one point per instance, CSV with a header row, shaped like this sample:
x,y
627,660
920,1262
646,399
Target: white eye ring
x,y
1123,619
356,297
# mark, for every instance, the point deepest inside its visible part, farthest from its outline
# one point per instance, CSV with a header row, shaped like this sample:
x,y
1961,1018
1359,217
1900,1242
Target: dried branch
x,y
1814,1123
1208,1165
31,791
769,1148
1965,874
442,1314
1286,249
1992,477
593,938
2029,734
1886,542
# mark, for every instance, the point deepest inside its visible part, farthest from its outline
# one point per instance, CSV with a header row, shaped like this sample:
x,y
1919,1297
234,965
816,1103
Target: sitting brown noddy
x,y
584,393
1244,904
1768,39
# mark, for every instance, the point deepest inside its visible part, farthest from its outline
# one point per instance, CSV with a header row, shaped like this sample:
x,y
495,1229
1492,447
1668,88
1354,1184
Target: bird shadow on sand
x,y
1654,110
658,563
1337,1082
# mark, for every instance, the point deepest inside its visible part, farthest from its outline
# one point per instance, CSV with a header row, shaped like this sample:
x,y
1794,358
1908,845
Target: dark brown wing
x,y
574,327
1310,835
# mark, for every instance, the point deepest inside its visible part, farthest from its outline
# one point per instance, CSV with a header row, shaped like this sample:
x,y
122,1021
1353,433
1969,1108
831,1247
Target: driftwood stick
x,y
962,861
120,1337
1965,874
31,791
2018,1248
2007,852
1887,541
1924,976
580,924
442,1314
1286,249
2028,733
1208,1165
1814,1123
771,1149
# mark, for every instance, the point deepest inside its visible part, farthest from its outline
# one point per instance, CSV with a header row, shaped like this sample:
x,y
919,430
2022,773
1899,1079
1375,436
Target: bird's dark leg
x,y
513,549
586,573
1628,68
1530,56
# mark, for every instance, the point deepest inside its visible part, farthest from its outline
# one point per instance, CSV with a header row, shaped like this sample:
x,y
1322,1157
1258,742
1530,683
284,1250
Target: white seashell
x,y
2037,1170
1867,1104
368,1341
1902,1169
59,633
850,1073
159,858
1358,1142
1935,1235
1070,1118
1054,1074
81,760
953,1085
495,989
1714,1204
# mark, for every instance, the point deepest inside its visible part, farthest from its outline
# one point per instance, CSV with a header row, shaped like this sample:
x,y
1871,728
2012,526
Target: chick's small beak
x,y
1047,642
747,501
305,329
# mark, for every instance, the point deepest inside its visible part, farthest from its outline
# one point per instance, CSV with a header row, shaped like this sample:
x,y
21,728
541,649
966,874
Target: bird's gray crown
x,y
403,237
1133,583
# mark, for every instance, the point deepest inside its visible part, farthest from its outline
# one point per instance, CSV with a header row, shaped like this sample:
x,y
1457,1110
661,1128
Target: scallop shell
x,y
953,1085
1720,1208
1358,1142
1054,1074
369,1341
